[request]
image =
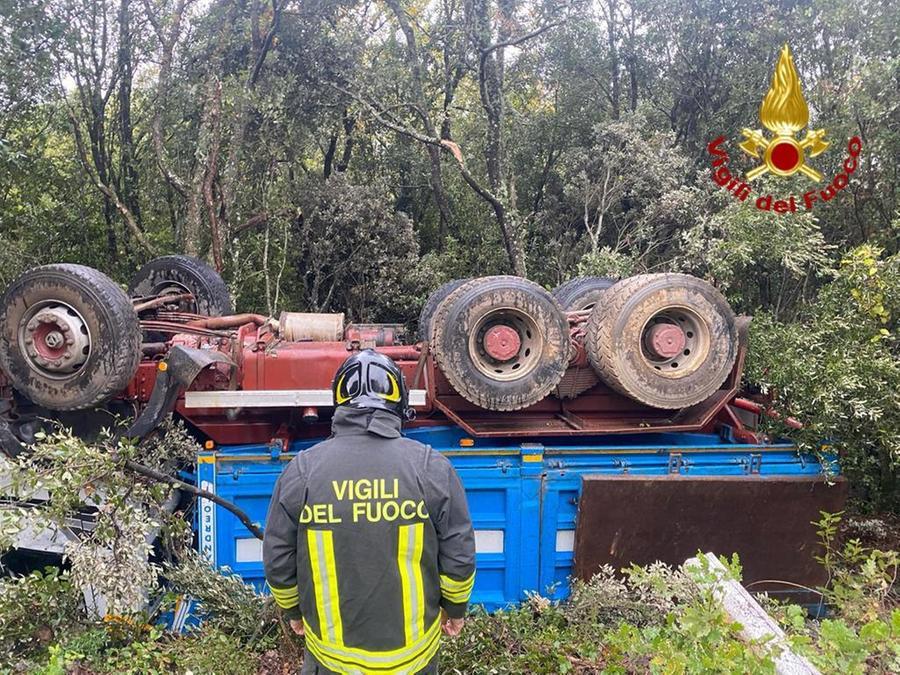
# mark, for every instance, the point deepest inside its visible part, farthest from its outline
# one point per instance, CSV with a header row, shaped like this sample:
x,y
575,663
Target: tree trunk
x,y
615,84
490,80
435,177
128,175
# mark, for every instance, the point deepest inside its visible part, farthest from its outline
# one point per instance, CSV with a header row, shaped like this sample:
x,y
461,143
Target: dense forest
x,y
344,155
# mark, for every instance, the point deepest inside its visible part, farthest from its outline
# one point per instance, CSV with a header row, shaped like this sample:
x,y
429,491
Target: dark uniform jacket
x,y
368,536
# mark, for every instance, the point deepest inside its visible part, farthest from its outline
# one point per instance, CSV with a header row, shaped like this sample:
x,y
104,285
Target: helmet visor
x,y
349,384
383,383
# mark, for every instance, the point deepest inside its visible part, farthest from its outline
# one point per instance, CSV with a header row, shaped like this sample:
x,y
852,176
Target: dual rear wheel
x,y
665,340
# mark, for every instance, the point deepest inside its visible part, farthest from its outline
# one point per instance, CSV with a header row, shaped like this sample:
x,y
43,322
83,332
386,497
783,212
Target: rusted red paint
x,y
265,361
665,340
759,409
502,342
43,346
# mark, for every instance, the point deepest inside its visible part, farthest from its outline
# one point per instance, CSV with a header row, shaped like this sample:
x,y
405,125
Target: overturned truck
x,y
600,423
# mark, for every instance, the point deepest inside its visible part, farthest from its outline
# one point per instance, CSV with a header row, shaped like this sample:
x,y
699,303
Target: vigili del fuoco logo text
x,y
783,112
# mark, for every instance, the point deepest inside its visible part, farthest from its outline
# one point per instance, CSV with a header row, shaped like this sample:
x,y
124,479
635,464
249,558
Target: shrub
x,y
37,610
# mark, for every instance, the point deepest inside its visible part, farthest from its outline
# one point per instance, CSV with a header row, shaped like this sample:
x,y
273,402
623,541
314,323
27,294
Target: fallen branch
x,y
756,624
161,477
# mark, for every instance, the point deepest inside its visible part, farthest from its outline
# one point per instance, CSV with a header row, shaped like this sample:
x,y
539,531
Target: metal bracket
x,y
176,372
755,462
676,461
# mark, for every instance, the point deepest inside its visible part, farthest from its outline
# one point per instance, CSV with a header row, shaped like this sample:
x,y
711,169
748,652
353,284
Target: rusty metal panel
x,y
766,520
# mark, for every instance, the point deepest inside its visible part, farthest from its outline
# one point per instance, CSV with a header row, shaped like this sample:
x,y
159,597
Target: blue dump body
x,y
523,496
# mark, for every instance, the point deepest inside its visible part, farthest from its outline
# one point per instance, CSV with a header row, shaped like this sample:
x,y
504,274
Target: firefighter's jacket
x,y
368,536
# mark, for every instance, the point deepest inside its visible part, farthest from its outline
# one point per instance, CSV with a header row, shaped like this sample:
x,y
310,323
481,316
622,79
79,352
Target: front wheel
x,y
69,336
178,274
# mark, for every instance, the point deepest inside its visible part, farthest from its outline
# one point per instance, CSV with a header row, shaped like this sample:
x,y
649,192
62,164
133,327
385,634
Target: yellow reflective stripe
x,y
409,562
331,571
356,666
454,585
419,540
408,659
457,591
324,576
457,598
287,598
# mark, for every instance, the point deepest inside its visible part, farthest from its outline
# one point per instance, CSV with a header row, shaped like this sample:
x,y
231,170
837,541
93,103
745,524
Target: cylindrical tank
x,y
310,327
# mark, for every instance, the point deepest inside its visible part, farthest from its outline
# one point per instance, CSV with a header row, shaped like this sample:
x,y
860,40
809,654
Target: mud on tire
x,y
581,293
426,316
69,337
182,273
502,342
666,340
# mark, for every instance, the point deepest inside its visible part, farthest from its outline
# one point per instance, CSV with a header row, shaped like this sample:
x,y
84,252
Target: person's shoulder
x,y
432,459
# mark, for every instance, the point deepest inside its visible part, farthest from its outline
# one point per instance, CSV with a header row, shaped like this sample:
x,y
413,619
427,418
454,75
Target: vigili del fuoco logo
x,y
784,113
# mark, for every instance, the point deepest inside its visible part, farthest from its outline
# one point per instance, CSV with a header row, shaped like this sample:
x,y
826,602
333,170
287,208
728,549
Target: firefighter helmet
x,y
368,379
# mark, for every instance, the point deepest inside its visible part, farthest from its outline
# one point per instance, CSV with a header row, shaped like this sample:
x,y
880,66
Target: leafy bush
x,y
232,606
113,560
863,633
837,370
37,610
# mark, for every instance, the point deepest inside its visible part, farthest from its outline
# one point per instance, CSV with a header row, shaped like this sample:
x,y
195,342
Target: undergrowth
x,y
642,619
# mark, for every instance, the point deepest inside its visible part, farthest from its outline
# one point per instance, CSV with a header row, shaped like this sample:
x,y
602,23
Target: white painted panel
x,y
565,540
248,550
489,541
273,398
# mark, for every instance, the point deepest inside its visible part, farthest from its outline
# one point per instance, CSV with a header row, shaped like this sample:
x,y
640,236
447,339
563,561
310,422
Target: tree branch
x,y
161,477
514,42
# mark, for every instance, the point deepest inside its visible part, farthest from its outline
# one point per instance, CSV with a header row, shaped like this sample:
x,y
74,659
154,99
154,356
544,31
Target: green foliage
x,y
757,260
36,610
353,250
64,474
653,619
861,580
232,606
647,619
862,633
837,370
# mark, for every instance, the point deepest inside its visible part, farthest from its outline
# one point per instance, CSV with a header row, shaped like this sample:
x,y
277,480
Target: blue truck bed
x,y
523,496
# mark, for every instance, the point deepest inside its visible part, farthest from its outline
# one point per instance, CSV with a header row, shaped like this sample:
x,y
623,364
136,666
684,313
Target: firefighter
x,y
369,549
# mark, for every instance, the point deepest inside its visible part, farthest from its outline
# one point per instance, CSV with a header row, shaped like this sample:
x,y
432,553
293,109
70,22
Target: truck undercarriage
x,y
603,423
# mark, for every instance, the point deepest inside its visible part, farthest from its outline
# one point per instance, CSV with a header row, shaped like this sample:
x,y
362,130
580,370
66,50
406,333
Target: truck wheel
x,y
174,274
665,340
69,337
581,293
426,316
502,342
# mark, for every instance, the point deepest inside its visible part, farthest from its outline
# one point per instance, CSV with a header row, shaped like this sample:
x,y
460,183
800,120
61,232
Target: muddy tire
x,y
426,316
179,274
502,342
581,293
666,340
69,337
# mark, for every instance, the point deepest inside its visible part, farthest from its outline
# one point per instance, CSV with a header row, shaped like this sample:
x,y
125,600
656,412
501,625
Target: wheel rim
x,y
675,341
506,344
170,287
55,339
